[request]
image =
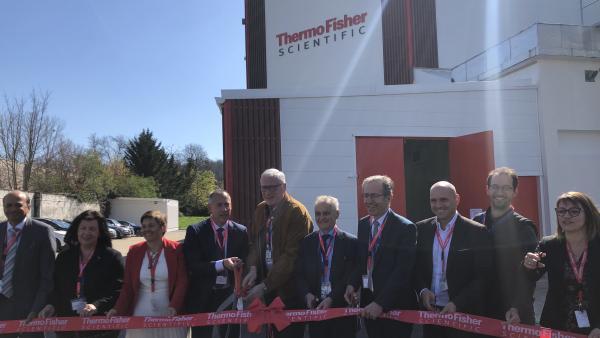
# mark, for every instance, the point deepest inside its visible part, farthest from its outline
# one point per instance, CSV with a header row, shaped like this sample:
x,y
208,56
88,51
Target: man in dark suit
x,y
509,291
212,249
27,262
453,258
324,265
386,257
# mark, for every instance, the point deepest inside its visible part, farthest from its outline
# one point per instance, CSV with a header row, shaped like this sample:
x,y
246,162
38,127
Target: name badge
x,y
78,304
221,280
443,285
268,258
325,289
365,281
582,319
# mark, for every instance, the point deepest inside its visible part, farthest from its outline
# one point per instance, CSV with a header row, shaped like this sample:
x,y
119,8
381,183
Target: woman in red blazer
x,y
155,278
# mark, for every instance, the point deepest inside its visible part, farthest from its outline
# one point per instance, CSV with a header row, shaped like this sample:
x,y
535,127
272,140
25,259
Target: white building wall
x,y
570,119
318,134
465,28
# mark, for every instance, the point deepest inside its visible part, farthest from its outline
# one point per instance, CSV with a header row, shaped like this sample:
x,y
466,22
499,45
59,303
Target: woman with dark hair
x,y
88,275
155,279
572,259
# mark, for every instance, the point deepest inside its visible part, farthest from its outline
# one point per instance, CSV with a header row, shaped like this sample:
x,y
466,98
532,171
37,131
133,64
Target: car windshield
x,y
61,224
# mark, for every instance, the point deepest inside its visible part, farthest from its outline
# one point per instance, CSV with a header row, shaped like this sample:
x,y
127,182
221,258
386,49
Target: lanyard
x,y
269,233
82,264
13,241
222,245
443,244
152,263
578,269
374,243
327,253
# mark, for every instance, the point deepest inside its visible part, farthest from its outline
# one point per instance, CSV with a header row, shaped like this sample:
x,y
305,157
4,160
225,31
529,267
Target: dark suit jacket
x,y
102,279
393,264
554,314
469,260
512,237
34,267
309,269
290,224
201,251
178,280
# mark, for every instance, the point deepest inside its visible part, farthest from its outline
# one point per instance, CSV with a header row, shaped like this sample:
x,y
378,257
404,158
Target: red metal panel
x,y
526,202
471,159
252,137
381,156
396,23
256,44
425,33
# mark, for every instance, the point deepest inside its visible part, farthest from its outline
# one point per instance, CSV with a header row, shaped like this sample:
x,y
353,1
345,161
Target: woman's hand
x,y
47,311
88,310
111,313
532,260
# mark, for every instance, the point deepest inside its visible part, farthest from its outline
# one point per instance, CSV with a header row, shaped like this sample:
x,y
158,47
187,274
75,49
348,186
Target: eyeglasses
x,y
573,212
503,188
371,195
270,187
324,213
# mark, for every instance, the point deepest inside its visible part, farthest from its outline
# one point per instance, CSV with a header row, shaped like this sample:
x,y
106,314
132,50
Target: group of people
x,y
447,263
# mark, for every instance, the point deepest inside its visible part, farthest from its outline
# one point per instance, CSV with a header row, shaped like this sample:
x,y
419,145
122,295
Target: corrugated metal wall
x,y
256,44
397,42
252,144
425,34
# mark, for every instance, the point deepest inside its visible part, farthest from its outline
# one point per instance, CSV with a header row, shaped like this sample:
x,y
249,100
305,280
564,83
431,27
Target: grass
x,y
185,221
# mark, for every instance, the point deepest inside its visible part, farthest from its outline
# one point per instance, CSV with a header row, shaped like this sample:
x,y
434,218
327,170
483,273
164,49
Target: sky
x,y
115,67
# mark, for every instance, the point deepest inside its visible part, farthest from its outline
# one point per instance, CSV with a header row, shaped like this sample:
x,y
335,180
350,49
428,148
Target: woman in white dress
x,y
155,279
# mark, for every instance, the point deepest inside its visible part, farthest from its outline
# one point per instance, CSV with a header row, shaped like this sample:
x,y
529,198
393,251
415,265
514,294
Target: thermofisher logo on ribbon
x,y
331,31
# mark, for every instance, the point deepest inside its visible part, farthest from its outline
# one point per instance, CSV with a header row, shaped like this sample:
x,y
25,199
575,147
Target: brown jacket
x,y
291,222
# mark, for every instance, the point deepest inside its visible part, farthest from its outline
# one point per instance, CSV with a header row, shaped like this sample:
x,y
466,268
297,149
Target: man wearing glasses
x,y
510,292
279,225
386,257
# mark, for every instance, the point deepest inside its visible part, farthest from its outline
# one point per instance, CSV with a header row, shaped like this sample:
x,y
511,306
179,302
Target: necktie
x,y
326,239
9,264
220,235
375,228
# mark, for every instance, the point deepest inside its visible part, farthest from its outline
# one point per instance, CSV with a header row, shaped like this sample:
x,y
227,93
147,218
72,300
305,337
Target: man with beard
x,y
509,292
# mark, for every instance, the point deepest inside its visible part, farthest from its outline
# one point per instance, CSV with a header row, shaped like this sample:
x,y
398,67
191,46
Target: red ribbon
x,y
272,314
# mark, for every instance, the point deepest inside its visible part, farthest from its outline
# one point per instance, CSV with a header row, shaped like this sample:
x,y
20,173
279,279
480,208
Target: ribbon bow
x,y
272,314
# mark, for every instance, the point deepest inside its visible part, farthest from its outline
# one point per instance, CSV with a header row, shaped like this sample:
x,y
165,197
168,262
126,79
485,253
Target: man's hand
x,y
310,300
325,304
256,292
512,316
31,316
231,263
250,278
46,312
372,311
595,333
449,308
88,310
350,295
428,299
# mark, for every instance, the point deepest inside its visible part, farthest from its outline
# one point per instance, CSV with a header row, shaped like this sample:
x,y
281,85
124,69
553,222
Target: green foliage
x,y
195,201
185,221
145,156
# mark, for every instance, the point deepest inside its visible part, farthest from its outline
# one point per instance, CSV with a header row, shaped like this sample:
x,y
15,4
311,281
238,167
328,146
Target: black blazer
x,y
102,280
469,260
34,267
554,314
201,251
309,270
393,264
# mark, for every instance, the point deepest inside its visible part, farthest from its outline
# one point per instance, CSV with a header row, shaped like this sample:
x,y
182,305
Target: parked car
x,y
122,230
112,233
60,230
137,229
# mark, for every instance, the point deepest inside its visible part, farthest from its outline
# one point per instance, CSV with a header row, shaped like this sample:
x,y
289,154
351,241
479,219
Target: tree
x,y
110,148
195,201
145,156
25,129
195,155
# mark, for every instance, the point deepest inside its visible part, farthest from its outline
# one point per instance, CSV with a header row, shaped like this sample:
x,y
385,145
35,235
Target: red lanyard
x,y
578,269
9,244
327,253
82,264
152,263
222,245
443,244
374,241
